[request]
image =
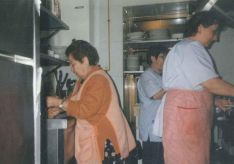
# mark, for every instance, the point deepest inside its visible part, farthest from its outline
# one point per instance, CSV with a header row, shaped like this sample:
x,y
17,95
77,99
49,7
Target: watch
x,y
61,105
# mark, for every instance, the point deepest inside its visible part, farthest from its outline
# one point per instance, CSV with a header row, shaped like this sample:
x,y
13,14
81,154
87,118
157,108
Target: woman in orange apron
x,y
191,80
94,103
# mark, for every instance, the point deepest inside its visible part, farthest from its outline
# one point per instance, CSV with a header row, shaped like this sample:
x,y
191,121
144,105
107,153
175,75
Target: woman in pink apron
x,y
95,106
191,81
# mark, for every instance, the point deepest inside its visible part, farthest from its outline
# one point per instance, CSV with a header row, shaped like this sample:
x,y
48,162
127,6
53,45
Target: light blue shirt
x,y
149,83
187,65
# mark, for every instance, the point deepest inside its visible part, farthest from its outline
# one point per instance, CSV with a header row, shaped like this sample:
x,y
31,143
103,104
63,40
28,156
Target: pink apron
x,y
187,127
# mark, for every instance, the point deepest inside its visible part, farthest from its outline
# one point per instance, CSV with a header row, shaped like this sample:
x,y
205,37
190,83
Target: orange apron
x,y
187,127
89,139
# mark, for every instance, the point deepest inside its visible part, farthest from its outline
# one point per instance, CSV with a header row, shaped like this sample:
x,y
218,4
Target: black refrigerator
x,y
20,79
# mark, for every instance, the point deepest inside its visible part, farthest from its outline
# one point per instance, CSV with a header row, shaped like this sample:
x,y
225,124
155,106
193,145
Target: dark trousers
x,y
152,153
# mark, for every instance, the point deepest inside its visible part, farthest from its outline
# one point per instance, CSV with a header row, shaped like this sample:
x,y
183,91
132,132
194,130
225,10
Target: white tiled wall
x,y
113,61
75,13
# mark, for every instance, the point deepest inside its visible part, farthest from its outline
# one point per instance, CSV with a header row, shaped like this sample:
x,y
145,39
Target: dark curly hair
x,y
155,50
204,18
80,49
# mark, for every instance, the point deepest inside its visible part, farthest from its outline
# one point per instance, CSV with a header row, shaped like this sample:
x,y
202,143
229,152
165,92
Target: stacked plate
x,y
158,34
132,63
135,36
177,36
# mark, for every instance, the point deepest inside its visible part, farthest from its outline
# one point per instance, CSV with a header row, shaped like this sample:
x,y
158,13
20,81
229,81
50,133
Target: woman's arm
x,y
219,87
159,94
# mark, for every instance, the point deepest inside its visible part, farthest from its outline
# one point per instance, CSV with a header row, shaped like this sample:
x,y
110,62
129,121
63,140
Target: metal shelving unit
x,y
49,26
145,19
49,21
151,41
133,72
47,60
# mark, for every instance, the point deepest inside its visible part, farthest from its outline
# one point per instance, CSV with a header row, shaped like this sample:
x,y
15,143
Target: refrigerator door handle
x,y
17,59
6,57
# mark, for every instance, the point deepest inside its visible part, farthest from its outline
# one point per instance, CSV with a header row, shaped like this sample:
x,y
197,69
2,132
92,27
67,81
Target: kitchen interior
x,y
34,36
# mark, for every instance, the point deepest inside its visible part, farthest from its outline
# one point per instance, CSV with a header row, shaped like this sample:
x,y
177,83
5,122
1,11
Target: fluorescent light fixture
x,y
209,5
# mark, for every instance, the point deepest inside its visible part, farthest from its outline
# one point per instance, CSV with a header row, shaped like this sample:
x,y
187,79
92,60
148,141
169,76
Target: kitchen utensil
x,y
58,86
60,83
64,81
70,85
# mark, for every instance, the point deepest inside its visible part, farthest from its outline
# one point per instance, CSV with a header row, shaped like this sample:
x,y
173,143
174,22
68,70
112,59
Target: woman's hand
x,y
53,111
222,103
53,101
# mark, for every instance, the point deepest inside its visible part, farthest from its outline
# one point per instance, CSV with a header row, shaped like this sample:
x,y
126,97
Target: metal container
x,y
130,97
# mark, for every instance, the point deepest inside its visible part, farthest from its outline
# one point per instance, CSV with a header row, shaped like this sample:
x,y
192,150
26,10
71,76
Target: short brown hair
x,y
80,49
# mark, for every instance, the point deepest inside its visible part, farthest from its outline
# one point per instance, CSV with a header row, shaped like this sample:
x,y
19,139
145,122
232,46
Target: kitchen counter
x,y
60,137
56,124
55,140
224,132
